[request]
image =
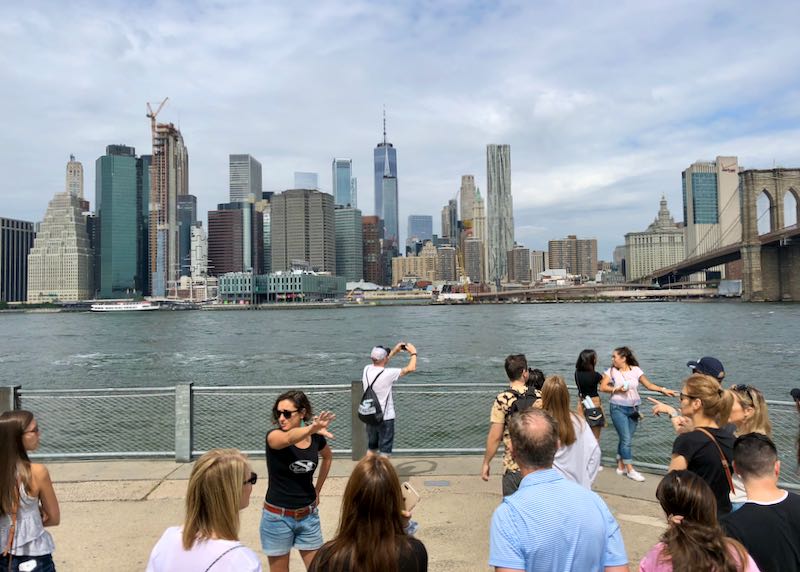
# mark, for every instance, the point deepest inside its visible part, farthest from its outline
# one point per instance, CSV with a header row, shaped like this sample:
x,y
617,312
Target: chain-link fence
x,y
86,423
431,419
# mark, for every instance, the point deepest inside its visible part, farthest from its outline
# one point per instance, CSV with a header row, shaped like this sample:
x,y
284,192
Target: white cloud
x,y
603,104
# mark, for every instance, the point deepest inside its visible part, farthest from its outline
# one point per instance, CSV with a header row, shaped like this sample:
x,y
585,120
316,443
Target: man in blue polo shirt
x,y
551,523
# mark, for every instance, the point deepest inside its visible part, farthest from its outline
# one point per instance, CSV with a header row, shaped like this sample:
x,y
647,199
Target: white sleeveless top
x,y
30,537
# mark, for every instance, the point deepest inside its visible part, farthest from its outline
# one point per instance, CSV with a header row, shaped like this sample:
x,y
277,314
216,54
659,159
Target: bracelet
x,y
413,354
674,414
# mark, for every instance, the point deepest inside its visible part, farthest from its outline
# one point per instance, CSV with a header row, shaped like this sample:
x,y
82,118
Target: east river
x,y
758,343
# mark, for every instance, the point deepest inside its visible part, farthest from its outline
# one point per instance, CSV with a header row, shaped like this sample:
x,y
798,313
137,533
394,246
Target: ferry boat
x,y
123,307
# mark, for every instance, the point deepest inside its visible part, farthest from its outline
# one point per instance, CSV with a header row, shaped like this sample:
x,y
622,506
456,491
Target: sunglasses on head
x,y
253,479
286,414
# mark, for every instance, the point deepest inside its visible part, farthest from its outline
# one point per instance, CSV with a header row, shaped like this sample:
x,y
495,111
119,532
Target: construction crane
x,y
152,115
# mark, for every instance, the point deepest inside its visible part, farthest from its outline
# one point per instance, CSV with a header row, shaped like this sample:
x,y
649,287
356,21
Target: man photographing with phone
x,y
380,437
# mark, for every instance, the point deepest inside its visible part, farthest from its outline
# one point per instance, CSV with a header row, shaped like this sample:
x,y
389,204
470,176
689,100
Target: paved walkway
x,y
112,512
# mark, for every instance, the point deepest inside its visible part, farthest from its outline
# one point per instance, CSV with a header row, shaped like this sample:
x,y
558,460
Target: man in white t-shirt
x,y
380,438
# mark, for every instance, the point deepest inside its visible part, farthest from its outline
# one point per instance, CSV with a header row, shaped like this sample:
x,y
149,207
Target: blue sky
x,y
603,103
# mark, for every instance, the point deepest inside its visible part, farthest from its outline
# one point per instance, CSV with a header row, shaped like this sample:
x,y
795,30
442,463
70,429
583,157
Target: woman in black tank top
x,y
587,380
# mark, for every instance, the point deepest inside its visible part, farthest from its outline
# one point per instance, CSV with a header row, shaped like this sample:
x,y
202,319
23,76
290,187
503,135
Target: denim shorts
x,y
43,563
280,533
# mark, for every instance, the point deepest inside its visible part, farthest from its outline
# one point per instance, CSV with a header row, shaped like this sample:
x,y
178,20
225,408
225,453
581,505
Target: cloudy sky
x,y
603,103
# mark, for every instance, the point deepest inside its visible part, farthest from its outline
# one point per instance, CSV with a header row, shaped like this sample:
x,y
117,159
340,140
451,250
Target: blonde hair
x,y
750,397
214,496
555,400
716,402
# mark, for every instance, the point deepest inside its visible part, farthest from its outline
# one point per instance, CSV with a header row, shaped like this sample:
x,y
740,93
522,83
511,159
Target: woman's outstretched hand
x,y
321,422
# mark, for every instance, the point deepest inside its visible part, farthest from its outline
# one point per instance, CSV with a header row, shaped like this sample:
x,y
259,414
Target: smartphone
x,y
410,496
403,347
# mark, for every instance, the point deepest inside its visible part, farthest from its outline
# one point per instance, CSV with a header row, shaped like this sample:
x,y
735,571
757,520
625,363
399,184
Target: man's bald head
x,y
534,438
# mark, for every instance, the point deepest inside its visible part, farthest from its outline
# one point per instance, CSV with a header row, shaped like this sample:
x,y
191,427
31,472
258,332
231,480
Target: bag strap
x,y
12,530
374,380
721,457
223,554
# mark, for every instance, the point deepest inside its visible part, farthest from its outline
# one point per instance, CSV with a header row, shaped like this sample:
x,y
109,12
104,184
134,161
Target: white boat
x,y
123,307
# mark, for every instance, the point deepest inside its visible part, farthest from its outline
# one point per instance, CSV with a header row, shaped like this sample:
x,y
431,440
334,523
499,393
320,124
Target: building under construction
x,y
169,178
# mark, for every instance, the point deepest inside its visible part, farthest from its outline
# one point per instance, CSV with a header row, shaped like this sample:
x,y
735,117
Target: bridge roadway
x,y
113,512
718,256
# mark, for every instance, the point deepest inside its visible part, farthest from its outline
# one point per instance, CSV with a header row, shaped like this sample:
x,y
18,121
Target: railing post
x,y
9,397
358,435
183,422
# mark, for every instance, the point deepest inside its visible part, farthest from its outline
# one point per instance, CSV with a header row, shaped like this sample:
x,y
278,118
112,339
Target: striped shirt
x,y
551,523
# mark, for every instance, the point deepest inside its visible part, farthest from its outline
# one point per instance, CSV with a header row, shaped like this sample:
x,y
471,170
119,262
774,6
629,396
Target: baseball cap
x,y
708,366
795,393
378,353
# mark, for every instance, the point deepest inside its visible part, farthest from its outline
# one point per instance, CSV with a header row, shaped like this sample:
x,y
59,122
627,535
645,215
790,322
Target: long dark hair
x,y
370,535
587,360
693,539
14,460
630,359
301,403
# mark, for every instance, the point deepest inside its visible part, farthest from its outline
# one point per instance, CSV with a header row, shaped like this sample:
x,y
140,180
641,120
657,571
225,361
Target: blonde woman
x,y
578,455
749,414
28,502
219,487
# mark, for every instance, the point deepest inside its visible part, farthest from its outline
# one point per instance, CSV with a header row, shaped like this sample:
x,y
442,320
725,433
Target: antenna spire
x,y
384,125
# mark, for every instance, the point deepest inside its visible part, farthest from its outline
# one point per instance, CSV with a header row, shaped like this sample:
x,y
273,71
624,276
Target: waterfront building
x,y
60,261
16,240
306,180
235,240
577,256
199,251
711,207
293,286
386,197
349,243
474,259
244,177
659,246
74,179
303,229
374,265
446,264
500,215
169,179
480,231
342,182
420,228
450,222
519,264
187,218
540,262
118,239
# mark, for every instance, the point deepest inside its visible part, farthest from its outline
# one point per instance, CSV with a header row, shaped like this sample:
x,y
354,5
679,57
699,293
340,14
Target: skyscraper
x,y
474,259
305,180
169,178
420,227
302,230
711,206
450,222
658,246
467,199
385,160
519,264
342,182
349,243
16,240
576,255
74,181
118,220
500,216
187,218
199,256
374,264
60,261
480,232
245,177
354,192
235,238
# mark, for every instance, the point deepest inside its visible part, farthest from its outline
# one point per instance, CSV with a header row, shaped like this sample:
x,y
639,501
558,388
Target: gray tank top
x,y
30,537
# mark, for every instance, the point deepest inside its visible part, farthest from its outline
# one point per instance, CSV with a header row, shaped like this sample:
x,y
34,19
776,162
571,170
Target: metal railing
x,y
184,421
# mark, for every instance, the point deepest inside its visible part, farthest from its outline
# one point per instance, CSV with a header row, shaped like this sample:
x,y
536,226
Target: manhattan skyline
x,y
603,106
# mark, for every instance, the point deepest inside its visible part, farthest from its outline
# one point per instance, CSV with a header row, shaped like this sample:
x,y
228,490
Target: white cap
x,y
378,353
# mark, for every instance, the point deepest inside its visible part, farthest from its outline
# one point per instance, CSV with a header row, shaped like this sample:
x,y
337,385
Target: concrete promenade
x,y
112,512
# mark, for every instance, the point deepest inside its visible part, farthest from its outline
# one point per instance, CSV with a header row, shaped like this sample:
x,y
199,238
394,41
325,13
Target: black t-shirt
x,y
413,558
291,473
703,459
771,533
587,382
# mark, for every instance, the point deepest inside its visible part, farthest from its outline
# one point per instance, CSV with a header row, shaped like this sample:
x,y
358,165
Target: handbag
x,y
594,415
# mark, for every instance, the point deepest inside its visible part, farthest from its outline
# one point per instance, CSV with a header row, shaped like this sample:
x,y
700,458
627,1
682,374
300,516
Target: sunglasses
x,y
253,479
286,414
687,396
34,430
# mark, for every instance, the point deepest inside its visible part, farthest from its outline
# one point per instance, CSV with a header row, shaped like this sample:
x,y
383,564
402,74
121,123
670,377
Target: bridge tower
x,y
769,273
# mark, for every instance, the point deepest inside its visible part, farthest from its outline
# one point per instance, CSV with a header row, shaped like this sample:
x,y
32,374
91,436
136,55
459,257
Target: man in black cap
x,y
708,366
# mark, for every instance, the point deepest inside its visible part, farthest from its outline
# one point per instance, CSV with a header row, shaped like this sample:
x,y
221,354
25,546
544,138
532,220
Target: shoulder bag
x,y
721,457
593,415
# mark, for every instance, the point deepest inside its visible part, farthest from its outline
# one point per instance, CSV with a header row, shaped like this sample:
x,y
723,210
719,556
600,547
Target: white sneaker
x,y
621,472
635,475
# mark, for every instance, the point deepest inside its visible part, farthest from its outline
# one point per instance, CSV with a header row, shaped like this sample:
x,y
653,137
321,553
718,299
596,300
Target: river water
x,y
758,343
